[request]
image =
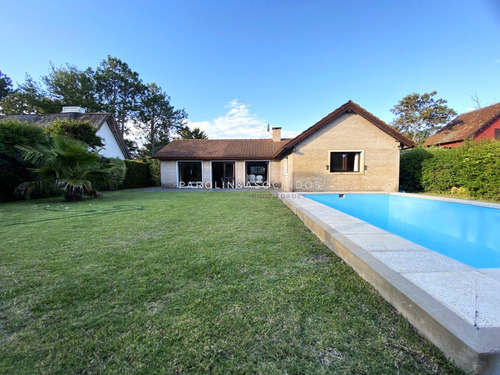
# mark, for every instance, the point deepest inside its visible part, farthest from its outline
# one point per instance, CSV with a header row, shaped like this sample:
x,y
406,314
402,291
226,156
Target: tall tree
x,y
29,98
118,89
186,133
5,85
157,117
72,86
419,116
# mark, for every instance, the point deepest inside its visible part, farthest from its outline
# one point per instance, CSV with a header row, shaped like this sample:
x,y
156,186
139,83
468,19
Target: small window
x,y
285,166
497,134
348,161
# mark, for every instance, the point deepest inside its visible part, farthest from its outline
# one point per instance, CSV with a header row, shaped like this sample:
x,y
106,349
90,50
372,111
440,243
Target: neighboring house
x,y
479,124
348,150
108,130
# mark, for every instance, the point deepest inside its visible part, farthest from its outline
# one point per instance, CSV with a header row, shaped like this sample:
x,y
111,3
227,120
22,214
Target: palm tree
x,y
67,164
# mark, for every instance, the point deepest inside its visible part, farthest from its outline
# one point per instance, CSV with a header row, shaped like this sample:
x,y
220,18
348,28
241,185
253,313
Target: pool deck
x,y
457,307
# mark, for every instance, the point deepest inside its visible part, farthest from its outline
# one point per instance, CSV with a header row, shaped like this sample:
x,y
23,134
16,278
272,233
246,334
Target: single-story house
x,y
348,150
108,130
479,124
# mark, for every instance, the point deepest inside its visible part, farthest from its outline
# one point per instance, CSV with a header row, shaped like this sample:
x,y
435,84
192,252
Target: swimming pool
x,y
467,233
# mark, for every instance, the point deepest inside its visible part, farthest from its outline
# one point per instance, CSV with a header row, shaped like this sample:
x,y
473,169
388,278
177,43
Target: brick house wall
x,y
379,169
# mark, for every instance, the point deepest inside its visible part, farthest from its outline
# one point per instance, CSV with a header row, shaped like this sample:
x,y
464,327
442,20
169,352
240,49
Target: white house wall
x,y
111,148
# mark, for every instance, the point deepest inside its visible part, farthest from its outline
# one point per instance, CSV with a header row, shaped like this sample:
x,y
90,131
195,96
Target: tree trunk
x,y
73,194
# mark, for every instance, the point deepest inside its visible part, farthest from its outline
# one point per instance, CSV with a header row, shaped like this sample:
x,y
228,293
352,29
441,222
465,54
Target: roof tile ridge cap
x,y
481,109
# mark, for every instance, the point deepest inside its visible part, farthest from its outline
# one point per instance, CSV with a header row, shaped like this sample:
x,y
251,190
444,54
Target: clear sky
x,y
236,65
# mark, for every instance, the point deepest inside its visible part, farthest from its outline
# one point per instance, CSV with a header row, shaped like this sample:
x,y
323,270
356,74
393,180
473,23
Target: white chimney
x,y
276,134
73,109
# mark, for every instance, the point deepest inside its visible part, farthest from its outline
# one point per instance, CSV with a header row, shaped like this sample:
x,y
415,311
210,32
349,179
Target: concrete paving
x,y
454,305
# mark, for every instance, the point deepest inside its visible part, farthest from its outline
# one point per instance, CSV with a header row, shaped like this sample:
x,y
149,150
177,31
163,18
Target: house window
x,y
497,134
345,161
190,173
285,166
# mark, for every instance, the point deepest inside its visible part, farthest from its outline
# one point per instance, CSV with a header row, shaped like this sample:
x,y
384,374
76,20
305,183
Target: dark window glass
x,y
344,161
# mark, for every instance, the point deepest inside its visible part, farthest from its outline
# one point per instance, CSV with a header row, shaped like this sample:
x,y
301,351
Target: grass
x,y
188,282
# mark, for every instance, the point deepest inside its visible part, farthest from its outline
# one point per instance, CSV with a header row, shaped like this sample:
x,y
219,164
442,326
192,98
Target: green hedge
x,y
110,181
137,174
410,174
474,167
13,169
471,170
154,171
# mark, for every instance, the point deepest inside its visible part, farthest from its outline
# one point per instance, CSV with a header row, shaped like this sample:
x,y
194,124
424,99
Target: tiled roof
x,y
96,119
465,126
220,149
350,107
232,149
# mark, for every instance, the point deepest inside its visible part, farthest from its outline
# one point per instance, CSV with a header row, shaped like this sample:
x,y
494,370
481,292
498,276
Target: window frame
x,y
361,161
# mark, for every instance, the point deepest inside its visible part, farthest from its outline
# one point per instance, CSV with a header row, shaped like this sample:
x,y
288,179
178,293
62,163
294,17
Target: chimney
x,y
276,134
73,109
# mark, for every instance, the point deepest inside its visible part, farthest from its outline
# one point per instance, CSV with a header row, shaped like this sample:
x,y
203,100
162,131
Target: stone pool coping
x,y
457,307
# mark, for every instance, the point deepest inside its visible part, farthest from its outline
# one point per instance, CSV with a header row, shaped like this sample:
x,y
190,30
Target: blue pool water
x,y
467,233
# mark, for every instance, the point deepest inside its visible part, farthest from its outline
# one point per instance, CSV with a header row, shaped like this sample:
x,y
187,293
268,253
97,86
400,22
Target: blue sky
x,y
238,65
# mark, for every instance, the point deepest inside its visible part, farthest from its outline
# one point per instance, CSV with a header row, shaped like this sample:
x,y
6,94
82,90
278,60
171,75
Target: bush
x,y
441,172
154,171
13,169
480,168
113,180
81,130
410,171
472,169
137,174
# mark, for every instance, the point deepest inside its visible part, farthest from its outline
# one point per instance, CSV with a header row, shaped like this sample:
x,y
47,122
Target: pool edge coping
x,y
469,347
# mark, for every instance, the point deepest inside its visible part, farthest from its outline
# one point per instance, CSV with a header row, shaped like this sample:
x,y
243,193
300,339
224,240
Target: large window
x,y
497,134
190,173
345,161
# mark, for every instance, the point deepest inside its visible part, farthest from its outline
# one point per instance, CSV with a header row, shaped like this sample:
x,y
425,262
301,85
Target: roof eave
x,y
349,107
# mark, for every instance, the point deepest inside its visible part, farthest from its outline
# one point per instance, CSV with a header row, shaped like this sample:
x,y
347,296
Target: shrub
x,y
137,174
114,179
154,171
410,172
13,169
480,168
441,172
472,169
81,130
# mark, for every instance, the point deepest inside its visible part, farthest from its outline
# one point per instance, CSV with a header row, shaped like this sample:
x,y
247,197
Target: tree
x,y
5,85
419,116
118,89
29,98
158,117
67,164
196,133
71,86
83,131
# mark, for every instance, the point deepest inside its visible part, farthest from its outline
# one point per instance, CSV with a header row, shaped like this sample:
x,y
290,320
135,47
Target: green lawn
x,y
188,282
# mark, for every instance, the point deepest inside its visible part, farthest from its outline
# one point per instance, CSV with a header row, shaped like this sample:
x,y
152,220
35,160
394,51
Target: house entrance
x,y
223,174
